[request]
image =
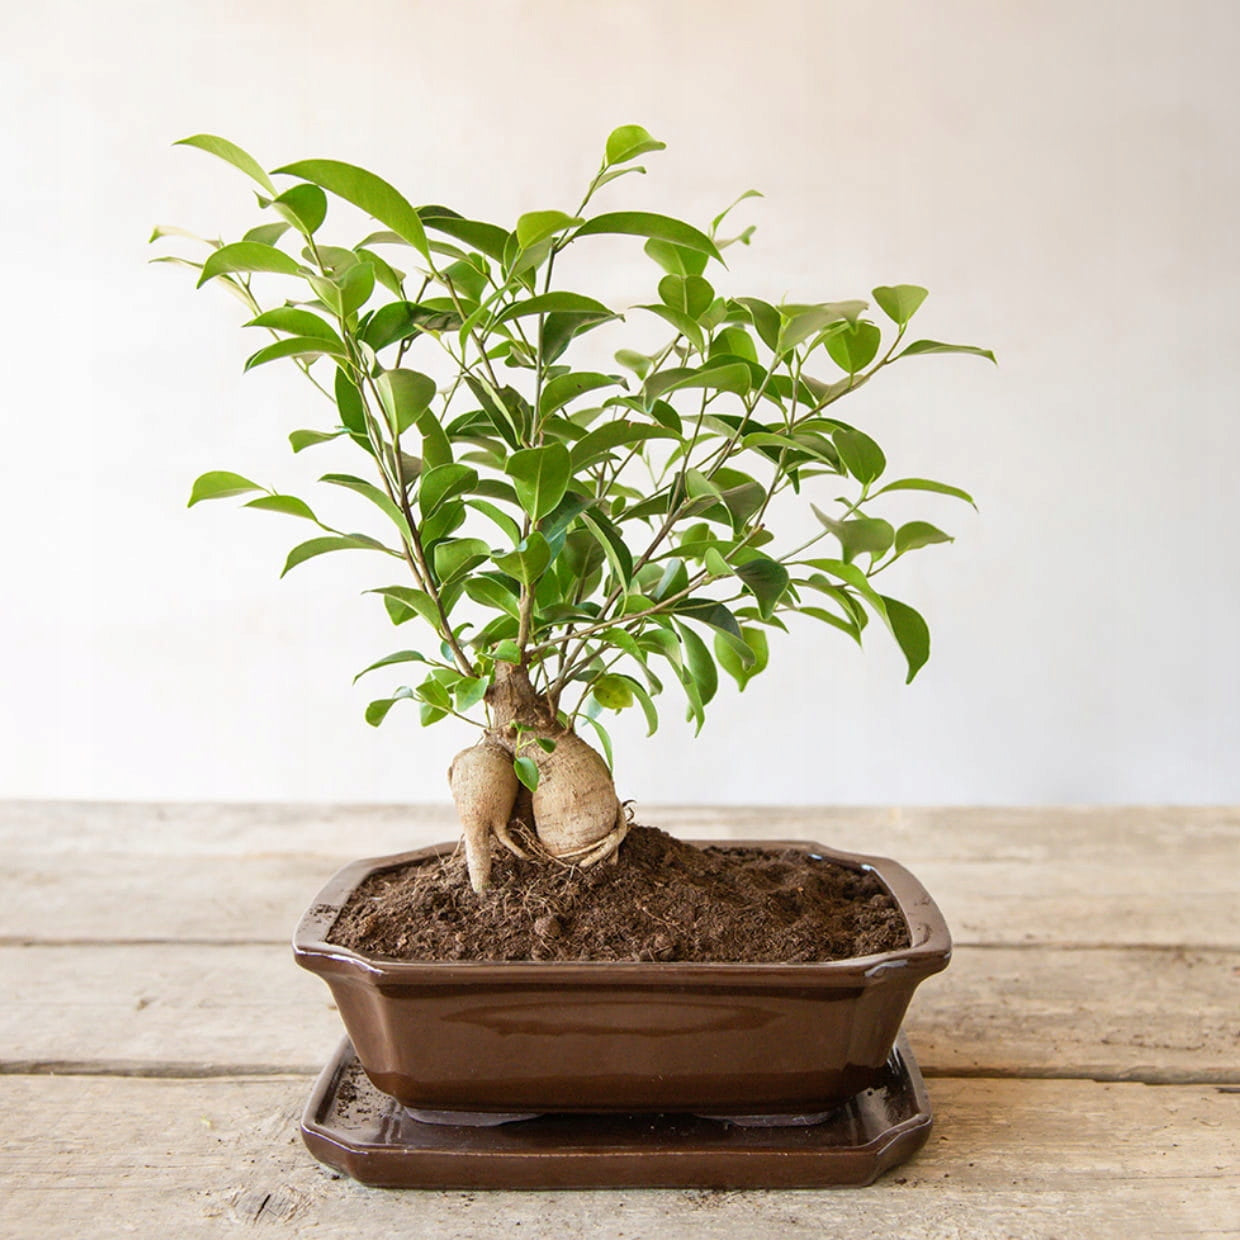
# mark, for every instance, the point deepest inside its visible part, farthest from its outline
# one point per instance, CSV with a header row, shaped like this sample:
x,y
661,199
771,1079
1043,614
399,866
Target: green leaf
x,y
699,665
527,772
377,711
854,348
561,302
926,484
736,202
528,561
295,346
556,523
862,457
303,206
356,286
300,440
380,499
401,656
732,377
243,256
910,632
540,476
919,534
801,322
899,302
406,396
766,580
646,703
675,259
220,484
691,295
687,327
296,322
708,611
233,154
488,239
468,692
630,141
336,542
367,191
618,555
504,416
859,536
434,694
536,226
836,622
290,505
385,273
639,363
401,319
565,388
731,660
455,557
404,602
444,482
349,402
649,224
490,593
854,577
604,740
933,346
765,319
266,234
599,442
734,342
613,692
510,528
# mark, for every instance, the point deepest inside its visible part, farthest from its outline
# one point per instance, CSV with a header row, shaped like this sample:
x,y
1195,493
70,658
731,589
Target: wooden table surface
x,y
1082,1052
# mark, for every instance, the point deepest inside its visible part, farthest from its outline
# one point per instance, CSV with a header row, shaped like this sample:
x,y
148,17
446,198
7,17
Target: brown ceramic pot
x,y
720,1039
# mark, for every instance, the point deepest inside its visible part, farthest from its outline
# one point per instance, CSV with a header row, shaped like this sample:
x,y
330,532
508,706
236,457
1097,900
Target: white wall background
x,y
1064,176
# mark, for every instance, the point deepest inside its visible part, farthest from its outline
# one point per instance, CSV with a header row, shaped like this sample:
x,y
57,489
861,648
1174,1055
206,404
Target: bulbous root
x,y
484,789
577,818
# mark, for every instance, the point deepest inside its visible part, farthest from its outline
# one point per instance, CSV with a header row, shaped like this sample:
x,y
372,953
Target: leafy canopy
x,y
610,531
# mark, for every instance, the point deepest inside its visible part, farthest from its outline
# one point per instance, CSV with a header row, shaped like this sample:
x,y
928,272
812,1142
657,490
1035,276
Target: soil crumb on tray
x,y
664,900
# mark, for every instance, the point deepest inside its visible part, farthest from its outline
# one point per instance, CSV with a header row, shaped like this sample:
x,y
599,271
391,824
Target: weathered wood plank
x,y
244,873
1035,835
1035,1160
1135,1014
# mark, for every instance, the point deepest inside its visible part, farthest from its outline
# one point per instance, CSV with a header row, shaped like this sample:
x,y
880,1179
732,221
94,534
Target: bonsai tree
x,y
568,541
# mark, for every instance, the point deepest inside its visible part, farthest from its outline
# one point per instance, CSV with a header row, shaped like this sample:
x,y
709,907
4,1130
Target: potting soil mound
x,y
663,900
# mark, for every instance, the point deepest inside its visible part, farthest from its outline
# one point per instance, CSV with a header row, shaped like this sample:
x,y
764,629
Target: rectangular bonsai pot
x,y
717,1038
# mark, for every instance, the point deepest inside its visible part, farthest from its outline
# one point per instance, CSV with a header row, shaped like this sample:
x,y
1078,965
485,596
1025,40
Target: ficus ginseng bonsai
x,y
569,537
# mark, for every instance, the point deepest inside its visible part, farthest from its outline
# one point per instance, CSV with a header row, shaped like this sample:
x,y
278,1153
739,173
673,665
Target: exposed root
x,y
484,788
605,848
502,834
572,817
575,804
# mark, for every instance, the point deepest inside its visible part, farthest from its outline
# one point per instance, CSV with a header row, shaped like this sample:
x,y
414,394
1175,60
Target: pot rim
x,y
929,950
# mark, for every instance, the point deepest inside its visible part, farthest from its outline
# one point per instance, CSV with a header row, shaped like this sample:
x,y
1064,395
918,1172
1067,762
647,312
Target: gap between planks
x,y
1227,1083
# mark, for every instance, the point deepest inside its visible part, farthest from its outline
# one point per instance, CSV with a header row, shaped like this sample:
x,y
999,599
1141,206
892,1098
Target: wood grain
x,y
245,873
995,1012
1083,1050
1033,1160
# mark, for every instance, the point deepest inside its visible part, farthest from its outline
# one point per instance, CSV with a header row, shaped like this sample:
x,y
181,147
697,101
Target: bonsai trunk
x,y
573,815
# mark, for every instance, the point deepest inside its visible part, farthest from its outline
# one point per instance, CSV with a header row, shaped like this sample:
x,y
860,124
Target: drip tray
x,y
349,1125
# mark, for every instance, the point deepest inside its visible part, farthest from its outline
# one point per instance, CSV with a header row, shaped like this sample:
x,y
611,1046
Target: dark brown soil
x,y
664,900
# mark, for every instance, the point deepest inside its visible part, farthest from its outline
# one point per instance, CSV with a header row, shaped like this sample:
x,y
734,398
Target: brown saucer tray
x,y
349,1125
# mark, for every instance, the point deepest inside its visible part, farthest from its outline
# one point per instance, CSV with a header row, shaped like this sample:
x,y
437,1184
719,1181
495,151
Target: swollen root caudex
x,y
577,816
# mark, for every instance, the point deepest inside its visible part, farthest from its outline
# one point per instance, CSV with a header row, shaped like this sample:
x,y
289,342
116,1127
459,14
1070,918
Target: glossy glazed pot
x,y
720,1039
